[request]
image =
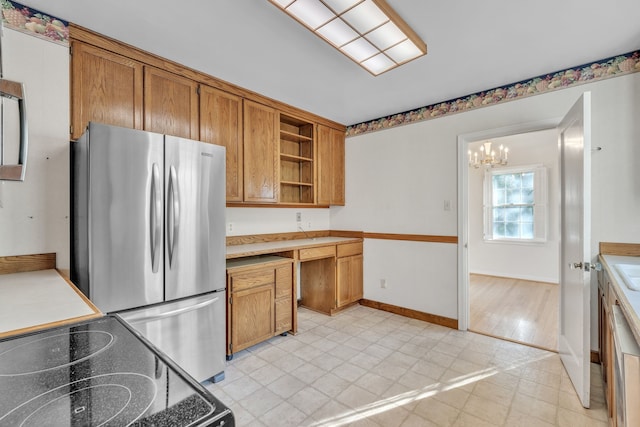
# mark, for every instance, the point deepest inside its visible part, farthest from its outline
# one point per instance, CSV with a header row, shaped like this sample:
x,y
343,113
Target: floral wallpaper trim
x,y
606,68
31,21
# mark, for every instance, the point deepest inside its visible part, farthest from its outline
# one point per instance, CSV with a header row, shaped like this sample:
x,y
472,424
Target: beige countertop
x,y
238,251
629,299
40,299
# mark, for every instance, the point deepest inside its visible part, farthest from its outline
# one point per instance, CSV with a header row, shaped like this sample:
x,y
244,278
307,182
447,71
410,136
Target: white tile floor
x,y
365,367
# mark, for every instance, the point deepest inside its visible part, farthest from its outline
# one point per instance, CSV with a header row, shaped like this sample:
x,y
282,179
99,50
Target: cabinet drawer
x,y
349,249
320,252
251,279
284,281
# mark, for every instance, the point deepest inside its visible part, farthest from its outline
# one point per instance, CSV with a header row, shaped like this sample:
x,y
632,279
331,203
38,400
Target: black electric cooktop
x,y
98,373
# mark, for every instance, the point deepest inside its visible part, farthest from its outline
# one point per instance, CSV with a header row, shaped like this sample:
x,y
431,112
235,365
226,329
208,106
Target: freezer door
x,y
125,217
190,331
195,247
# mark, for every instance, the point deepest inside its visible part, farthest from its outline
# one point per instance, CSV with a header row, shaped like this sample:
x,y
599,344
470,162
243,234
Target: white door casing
x,y
575,252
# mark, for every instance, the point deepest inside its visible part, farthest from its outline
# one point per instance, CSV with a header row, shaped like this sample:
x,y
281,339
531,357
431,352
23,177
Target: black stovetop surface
x,y
98,373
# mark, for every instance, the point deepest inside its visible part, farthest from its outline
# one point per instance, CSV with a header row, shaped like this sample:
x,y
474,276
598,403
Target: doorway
x,y
513,271
511,285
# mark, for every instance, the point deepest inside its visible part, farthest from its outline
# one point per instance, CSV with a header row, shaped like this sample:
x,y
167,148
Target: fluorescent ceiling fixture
x,y
378,64
367,31
338,6
312,13
337,32
365,17
404,52
359,50
386,36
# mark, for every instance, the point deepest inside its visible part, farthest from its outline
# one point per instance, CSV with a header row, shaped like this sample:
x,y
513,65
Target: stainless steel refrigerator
x,y
148,239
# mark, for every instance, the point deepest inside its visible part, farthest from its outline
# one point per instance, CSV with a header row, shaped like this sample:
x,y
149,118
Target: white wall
x,y
397,180
34,214
529,261
243,221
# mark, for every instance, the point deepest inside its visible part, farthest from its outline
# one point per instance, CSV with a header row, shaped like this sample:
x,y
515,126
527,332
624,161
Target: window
x,y
515,204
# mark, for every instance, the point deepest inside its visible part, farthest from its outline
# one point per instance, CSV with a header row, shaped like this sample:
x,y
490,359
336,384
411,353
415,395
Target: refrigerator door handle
x,y
156,217
173,207
142,317
15,90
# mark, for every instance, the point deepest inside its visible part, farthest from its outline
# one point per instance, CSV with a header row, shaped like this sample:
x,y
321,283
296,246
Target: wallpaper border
x,y
610,67
33,22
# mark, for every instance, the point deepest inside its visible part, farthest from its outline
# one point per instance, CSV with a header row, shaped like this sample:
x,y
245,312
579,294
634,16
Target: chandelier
x,y
488,157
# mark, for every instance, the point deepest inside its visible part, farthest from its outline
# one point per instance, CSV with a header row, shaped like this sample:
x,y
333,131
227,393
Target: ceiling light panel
x,y
283,3
359,50
378,64
404,52
386,36
312,13
337,32
369,32
365,17
340,6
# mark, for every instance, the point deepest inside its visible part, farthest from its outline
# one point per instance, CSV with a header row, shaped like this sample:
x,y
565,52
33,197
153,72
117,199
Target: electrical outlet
x,y
383,283
309,225
298,216
230,227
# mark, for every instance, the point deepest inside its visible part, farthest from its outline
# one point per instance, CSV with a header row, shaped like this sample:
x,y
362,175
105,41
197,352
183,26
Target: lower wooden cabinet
x,y
260,300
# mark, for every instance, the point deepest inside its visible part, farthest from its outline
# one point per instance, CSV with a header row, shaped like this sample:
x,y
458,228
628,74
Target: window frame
x,y
540,204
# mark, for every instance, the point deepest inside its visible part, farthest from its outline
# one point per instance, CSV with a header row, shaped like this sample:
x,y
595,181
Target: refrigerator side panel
x,y
79,245
195,218
125,217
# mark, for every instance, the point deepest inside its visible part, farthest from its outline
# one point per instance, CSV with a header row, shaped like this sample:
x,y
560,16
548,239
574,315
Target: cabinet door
x,y
349,279
343,275
284,298
356,283
221,124
337,167
330,172
170,104
252,316
105,88
261,180
324,170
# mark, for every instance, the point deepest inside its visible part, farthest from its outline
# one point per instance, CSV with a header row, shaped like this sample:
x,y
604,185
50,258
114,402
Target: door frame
x,y
463,201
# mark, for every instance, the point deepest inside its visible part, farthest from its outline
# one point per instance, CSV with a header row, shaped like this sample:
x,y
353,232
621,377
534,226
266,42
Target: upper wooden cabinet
x,y
170,104
330,178
221,124
260,153
277,155
105,88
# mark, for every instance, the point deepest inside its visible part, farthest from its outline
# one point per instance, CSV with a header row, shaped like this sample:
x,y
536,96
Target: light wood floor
x,y
514,309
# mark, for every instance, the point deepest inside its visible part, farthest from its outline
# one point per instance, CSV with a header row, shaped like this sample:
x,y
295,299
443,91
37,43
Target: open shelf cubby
x,y
297,155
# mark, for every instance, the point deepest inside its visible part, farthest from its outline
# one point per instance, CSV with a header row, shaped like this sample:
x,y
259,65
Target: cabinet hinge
x,y
71,130
231,347
230,300
198,90
71,50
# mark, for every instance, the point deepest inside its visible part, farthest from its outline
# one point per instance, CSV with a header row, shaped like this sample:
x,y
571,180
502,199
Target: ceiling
x,y
472,46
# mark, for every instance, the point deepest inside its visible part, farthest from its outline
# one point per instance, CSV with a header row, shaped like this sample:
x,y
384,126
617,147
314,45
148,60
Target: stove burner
x,y
110,399
52,352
